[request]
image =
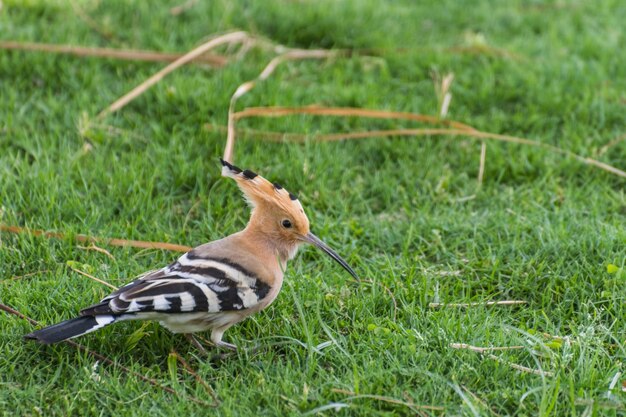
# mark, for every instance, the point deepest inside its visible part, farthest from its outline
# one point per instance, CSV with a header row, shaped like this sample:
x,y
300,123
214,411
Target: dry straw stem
x,y
414,407
486,135
83,273
520,368
487,303
483,349
491,356
89,239
15,278
122,54
234,37
347,112
97,249
456,50
315,111
442,89
108,361
467,131
289,55
483,158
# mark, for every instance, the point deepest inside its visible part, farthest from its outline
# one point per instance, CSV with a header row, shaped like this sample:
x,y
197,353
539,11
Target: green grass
x,y
541,228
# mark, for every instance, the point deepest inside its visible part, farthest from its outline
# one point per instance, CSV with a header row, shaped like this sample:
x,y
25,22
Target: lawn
x,y
409,213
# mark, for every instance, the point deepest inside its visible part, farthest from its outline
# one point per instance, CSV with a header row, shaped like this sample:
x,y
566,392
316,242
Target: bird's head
x,y
277,214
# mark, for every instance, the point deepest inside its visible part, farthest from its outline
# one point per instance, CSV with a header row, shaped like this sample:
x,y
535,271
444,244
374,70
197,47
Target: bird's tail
x,y
70,328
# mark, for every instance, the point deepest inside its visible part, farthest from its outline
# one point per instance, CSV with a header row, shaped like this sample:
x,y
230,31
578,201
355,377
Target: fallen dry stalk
x,y
229,38
485,350
113,242
347,112
15,278
468,131
442,90
455,50
520,367
390,400
97,249
122,54
487,303
483,159
83,273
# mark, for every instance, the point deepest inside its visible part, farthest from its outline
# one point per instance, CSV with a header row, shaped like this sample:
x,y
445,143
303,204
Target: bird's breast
x,y
271,294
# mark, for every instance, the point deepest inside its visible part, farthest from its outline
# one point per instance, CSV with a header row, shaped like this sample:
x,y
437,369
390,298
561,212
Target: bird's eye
x,y
287,224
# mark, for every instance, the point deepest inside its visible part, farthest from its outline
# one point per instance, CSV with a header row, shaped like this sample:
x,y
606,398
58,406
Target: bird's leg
x,y
197,344
216,338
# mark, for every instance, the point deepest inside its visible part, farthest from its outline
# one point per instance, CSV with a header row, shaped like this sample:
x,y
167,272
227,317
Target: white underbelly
x,y
193,322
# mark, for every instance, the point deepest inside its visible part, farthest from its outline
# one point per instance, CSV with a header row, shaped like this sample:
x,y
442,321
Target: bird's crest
x,y
259,191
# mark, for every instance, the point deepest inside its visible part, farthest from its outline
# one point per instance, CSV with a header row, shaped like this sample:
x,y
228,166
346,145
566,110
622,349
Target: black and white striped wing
x,y
191,284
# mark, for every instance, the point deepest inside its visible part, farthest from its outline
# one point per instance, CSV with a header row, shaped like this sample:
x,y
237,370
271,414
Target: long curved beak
x,y
314,240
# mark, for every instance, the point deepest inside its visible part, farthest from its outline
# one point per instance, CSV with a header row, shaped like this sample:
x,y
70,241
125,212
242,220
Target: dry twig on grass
x,y
234,37
412,406
442,90
122,54
520,368
467,131
97,249
487,303
17,277
484,351
113,242
83,273
483,159
348,112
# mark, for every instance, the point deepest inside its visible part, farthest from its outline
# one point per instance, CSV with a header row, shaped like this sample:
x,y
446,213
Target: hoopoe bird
x,y
215,285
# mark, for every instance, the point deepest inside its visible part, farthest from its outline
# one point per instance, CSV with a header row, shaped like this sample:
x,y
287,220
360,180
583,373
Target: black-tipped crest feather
x,y
249,174
230,166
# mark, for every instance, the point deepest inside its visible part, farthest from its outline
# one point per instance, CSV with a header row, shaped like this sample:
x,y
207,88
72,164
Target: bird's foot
x,y
196,341
197,344
225,345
